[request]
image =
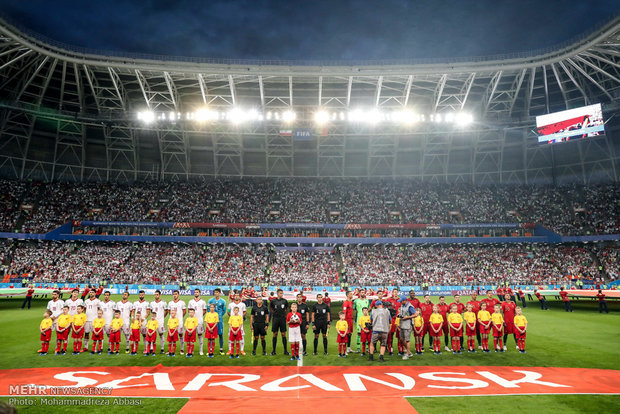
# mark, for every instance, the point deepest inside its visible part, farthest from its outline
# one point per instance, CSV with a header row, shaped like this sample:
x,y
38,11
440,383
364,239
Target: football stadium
x,y
207,235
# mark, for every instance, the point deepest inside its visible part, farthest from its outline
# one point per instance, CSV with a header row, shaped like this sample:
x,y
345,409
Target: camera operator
x,y
380,326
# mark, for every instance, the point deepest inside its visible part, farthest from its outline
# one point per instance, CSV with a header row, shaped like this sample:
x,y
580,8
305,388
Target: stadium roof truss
x,y
70,114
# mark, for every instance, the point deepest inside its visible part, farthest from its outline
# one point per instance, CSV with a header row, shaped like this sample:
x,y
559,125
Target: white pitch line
x,y
511,394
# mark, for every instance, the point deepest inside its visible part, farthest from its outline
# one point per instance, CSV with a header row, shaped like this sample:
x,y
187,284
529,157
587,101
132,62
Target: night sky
x,y
311,29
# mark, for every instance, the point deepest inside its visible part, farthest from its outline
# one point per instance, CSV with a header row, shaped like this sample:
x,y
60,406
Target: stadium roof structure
x,y
72,114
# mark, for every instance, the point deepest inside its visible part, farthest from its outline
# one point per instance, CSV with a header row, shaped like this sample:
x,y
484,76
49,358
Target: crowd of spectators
x,y
566,210
60,262
222,264
219,200
609,259
292,267
228,264
58,203
468,264
599,210
65,262
5,257
10,194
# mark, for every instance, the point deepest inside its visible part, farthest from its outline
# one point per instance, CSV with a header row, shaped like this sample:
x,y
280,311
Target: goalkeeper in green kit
x,y
359,304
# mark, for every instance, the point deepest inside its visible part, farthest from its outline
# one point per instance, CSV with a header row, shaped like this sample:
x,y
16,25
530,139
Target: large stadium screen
x,y
583,122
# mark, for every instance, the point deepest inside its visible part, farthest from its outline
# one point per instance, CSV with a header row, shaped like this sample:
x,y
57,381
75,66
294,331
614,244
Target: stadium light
x,y
205,114
355,116
321,117
463,119
374,116
253,115
236,116
146,116
404,117
288,116
368,116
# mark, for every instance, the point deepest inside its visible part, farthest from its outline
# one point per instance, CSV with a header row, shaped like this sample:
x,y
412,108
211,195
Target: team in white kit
x,y
128,310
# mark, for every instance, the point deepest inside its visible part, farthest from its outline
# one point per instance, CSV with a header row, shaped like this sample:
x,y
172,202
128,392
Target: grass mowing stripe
x,y
93,404
548,404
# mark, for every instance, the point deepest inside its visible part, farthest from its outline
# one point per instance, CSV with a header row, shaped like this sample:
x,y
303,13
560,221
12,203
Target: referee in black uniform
x,y
259,320
305,319
278,309
321,319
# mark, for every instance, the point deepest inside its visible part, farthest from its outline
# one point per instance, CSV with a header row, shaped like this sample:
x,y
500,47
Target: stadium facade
x,y
71,114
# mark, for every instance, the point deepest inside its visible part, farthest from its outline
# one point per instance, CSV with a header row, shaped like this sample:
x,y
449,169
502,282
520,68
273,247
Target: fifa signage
x,y
303,134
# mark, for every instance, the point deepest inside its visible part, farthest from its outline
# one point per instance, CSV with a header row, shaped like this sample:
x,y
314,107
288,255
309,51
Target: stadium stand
x,y
10,195
608,258
227,264
573,210
468,265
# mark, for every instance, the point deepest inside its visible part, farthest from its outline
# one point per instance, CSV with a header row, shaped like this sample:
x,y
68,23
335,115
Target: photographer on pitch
x,y
380,318
406,313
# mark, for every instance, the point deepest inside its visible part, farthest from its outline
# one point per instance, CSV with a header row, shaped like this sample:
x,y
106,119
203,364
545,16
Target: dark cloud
x,y
277,29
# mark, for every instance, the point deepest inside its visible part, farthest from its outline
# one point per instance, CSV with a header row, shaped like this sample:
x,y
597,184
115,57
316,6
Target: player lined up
x,y
143,320
477,321
474,320
456,322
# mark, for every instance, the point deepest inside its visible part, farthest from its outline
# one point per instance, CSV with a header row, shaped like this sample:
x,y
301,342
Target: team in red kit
x,y
464,326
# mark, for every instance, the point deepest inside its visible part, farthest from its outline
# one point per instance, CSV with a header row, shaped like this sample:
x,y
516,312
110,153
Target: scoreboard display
x,y
583,122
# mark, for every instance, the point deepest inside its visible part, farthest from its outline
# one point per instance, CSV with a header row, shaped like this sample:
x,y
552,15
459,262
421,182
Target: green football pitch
x,y
582,339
